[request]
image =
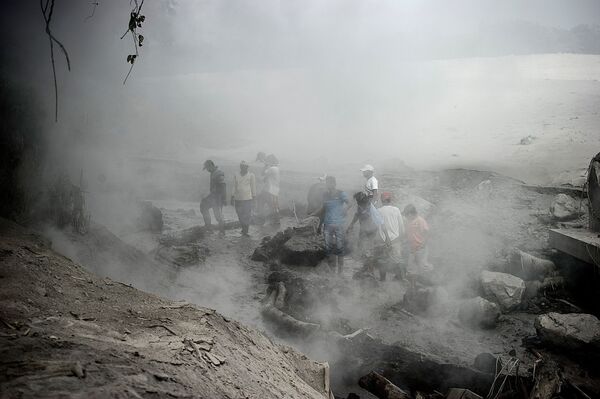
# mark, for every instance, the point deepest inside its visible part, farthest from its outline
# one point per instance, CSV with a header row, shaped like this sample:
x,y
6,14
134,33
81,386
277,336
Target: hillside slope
x,y
65,332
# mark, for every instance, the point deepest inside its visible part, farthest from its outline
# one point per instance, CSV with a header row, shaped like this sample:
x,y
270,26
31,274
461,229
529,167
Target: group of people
x,y
388,239
244,196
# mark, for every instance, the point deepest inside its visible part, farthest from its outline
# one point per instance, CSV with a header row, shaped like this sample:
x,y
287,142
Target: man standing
x,y
216,198
244,193
389,253
333,218
270,192
371,185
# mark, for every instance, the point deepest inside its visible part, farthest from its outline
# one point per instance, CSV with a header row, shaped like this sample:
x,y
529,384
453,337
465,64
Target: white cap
x,y
322,178
368,167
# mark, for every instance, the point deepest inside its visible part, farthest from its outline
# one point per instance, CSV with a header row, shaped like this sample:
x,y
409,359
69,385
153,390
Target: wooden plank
x,y
582,244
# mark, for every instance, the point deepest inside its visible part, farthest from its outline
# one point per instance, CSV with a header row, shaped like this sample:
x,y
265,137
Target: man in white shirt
x,y
270,193
371,185
389,251
244,192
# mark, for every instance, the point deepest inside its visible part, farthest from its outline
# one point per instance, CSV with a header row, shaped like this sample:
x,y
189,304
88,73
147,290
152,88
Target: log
x,y
381,387
288,323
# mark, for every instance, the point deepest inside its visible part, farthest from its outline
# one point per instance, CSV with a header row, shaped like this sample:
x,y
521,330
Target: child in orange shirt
x,y
417,231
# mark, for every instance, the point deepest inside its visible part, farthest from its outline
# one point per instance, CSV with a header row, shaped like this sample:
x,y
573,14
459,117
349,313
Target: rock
x,y
151,218
303,250
479,312
565,207
487,363
530,267
504,289
527,140
423,299
571,331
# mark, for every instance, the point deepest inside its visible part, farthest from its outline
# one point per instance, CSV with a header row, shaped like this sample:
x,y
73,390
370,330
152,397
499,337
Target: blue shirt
x,y
333,205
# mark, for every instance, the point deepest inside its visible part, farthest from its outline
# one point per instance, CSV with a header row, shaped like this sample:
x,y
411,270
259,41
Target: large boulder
x,y
530,267
303,250
479,312
150,218
565,207
571,331
504,289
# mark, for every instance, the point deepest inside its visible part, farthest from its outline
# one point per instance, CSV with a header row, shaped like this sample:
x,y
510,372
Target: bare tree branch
x,y
47,11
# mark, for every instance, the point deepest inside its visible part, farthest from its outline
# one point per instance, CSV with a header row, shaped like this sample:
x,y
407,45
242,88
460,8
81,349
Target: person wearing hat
x,y
244,193
371,185
216,198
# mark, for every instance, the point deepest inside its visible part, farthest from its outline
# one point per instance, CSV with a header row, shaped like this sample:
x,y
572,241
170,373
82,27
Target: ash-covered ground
x,y
479,220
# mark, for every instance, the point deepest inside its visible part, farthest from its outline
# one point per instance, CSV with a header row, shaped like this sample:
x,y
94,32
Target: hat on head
x,y
322,178
386,196
368,167
208,163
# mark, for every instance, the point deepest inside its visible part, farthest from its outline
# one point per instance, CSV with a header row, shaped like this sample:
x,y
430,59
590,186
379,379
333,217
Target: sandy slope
x,y
65,332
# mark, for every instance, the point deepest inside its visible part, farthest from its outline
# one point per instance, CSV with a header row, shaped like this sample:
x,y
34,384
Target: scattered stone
x,y
78,370
381,387
527,140
487,363
423,299
531,267
572,331
505,289
479,312
303,250
565,208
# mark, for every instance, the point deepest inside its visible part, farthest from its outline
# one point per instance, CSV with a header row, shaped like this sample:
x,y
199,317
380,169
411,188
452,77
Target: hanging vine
x,y
135,21
47,11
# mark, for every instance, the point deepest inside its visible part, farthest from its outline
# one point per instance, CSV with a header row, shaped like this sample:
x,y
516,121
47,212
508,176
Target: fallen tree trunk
x,y
288,323
381,387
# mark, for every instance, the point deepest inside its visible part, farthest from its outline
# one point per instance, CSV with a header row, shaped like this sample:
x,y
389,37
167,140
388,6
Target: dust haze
x,y
507,90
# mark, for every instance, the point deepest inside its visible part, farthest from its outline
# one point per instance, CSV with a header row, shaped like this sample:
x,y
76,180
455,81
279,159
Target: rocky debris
x,y
381,387
302,297
479,312
151,218
571,331
504,289
530,267
182,256
425,299
487,363
565,208
535,287
303,250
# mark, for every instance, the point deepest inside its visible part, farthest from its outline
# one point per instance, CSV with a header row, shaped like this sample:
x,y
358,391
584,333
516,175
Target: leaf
x,y
140,39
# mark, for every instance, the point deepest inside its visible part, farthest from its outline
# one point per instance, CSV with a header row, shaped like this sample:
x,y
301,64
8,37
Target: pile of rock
x,y
293,246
